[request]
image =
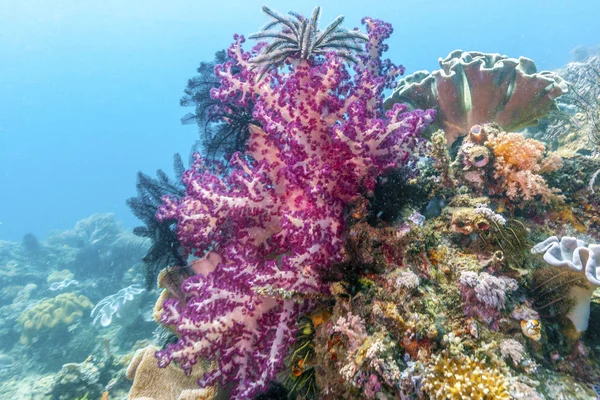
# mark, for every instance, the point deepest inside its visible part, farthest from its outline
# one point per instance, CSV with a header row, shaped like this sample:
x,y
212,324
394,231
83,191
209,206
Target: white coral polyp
x,y
576,255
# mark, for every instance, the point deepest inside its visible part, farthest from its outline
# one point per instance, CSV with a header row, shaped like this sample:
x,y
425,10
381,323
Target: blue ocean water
x,y
89,91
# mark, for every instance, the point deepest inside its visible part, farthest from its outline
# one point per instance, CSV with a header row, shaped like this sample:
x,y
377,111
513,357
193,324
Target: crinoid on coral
x,y
510,239
549,290
464,377
223,128
574,256
165,249
477,88
301,380
62,310
301,38
495,162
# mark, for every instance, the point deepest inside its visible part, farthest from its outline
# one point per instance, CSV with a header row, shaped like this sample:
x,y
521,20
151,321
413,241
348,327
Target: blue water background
x,y
89,90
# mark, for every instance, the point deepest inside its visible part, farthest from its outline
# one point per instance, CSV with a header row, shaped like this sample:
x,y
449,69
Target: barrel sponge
x,y
46,315
153,383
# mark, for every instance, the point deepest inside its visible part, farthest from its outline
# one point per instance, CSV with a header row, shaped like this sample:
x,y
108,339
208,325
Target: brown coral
x,y
464,377
476,88
507,163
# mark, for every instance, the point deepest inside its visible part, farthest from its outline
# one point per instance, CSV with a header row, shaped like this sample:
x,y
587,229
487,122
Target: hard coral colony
x,y
294,276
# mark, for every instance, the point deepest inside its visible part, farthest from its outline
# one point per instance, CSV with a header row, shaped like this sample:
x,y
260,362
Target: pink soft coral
x,y
276,220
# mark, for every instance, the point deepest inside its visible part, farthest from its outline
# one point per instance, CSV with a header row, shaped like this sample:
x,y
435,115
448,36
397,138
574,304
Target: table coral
x,y
276,219
464,377
64,309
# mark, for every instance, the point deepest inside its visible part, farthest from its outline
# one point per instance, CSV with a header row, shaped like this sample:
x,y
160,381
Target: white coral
x,y
577,256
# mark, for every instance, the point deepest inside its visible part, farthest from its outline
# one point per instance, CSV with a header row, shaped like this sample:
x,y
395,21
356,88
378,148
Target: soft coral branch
x,y
276,219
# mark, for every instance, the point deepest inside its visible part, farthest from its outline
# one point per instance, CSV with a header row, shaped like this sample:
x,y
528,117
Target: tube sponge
x,y
579,257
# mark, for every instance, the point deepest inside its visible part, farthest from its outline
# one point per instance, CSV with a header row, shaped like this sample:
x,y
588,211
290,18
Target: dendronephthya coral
x,y
581,258
475,88
276,220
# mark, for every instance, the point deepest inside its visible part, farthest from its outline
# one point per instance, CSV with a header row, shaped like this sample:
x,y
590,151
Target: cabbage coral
x,y
476,88
275,220
464,377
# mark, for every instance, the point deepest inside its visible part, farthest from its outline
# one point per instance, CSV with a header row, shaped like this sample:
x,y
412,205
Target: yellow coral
x,y
516,150
64,309
57,276
464,377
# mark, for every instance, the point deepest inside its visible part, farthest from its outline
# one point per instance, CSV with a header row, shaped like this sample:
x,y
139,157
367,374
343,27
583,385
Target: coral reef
x,y
476,88
61,310
336,253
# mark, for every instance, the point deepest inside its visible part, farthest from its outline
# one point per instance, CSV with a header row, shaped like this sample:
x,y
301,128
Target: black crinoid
x,y
165,249
301,38
586,98
223,128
